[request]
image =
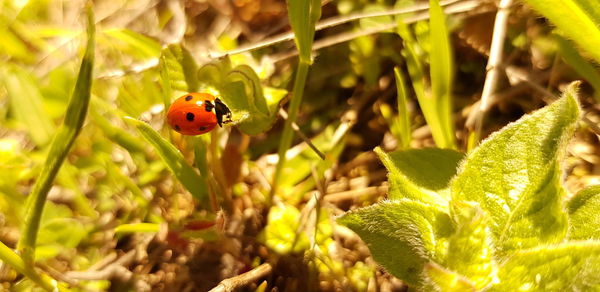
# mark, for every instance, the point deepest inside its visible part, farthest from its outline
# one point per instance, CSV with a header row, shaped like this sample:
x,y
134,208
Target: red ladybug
x,y
197,113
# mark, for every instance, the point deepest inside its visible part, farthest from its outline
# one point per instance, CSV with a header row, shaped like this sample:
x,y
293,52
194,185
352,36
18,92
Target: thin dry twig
x,y
244,279
284,115
464,6
493,71
327,23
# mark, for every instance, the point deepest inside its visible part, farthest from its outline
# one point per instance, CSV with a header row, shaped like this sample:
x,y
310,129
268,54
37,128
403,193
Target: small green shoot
x,y
61,144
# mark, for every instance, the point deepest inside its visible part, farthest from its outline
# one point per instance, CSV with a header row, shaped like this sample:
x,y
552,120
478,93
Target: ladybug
x,y
197,113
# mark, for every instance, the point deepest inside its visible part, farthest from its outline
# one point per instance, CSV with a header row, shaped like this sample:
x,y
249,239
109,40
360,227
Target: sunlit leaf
x,y
441,279
515,176
470,250
564,267
420,174
583,214
402,235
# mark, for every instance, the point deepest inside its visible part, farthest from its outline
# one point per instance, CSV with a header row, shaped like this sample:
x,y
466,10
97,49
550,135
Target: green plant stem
x,y
288,133
9,257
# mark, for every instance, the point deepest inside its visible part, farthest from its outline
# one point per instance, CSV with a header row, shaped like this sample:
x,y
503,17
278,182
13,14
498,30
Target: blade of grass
x,y
403,114
441,73
61,144
175,161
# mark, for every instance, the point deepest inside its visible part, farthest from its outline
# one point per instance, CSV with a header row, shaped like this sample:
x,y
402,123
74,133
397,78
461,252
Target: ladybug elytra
x,y
197,113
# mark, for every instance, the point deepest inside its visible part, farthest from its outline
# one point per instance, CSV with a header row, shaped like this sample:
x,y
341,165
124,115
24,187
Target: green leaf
x,y
175,161
515,177
61,144
470,250
441,72
253,107
420,174
26,104
303,15
441,279
178,66
579,64
577,20
573,266
402,235
583,212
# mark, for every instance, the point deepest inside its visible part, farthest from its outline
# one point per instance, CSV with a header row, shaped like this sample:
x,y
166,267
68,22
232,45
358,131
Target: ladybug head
x,y
222,110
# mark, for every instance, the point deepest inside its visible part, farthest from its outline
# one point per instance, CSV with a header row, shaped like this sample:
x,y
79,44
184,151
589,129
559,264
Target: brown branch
x,y
244,279
493,70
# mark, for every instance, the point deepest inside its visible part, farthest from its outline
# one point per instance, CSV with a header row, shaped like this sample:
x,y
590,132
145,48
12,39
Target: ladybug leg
x,y
222,110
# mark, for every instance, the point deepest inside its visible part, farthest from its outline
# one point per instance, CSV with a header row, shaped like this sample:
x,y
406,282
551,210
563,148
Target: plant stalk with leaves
x,y
303,15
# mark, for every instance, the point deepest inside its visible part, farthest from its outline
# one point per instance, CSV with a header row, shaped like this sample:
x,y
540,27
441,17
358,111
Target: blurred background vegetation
x,y
125,214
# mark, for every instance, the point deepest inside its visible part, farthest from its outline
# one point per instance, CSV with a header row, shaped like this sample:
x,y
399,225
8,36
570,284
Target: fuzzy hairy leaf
x,y
515,177
573,266
583,210
440,279
420,174
470,251
402,235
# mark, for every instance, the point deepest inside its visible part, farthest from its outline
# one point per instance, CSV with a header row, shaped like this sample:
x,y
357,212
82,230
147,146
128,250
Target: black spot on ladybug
x,y
208,106
202,128
188,98
190,117
177,128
